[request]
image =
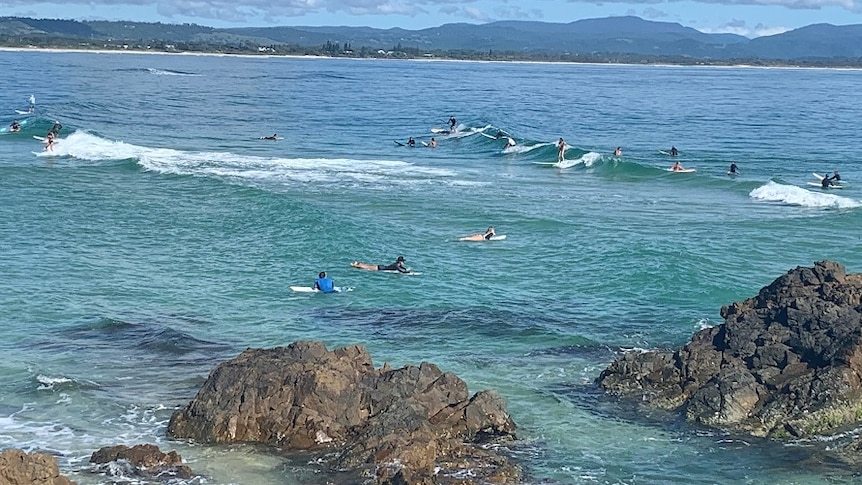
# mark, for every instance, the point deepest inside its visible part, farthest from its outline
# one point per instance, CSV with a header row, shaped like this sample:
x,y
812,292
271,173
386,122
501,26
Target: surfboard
x,y
5,129
398,143
733,174
409,273
819,177
309,289
488,136
23,113
498,237
43,139
820,185
441,131
268,138
665,152
685,170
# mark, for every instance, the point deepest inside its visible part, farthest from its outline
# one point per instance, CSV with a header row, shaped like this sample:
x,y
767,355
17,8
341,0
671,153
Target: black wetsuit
x,y
836,177
488,236
396,266
733,168
826,182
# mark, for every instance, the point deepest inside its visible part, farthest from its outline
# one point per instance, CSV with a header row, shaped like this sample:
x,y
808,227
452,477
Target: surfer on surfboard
x,y
452,124
324,283
673,151
273,137
677,167
561,150
15,126
398,266
734,170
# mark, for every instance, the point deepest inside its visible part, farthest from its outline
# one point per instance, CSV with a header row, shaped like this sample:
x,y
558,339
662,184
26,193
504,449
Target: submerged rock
x,y
408,426
786,363
146,461
20,468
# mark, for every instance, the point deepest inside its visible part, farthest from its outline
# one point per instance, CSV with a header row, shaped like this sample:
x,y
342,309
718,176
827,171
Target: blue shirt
x,y
325,285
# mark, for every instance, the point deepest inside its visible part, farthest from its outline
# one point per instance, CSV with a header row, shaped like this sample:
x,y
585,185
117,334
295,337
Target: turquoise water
x,y
162,237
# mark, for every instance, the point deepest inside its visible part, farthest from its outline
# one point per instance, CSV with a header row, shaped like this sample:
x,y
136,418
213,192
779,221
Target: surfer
x,y
398,266
733,169
432,143
489,233
677,167
32,103
835,176
618,152
49,141
673,151
452,123
273,137
324,283
510,143
826,182
411,142
15,126
55,129
499,134
561,150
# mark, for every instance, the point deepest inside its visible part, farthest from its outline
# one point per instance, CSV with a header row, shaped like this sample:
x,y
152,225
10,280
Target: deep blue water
x,y
162,236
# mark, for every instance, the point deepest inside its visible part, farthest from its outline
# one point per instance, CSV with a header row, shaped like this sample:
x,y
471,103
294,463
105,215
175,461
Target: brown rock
x,y
19,468
786,362
144,461
399,425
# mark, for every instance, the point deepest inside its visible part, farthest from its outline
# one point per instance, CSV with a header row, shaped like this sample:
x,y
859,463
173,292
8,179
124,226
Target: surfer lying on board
x,y
677,167
273,137
398,266
324,283
486,236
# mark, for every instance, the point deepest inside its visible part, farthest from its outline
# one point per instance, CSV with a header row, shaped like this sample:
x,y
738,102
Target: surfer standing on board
x,y
561,150
452,123
49,141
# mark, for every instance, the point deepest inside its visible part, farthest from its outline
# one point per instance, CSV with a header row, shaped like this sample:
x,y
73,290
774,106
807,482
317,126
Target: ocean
x,y
162,235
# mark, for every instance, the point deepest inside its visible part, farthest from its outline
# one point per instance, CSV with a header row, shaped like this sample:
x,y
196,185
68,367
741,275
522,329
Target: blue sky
x,y
751,18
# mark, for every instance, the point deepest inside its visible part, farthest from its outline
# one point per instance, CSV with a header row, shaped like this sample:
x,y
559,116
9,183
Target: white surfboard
x,y
409,273
43,139
309,289
440,131
498,237
685,170
820,185
819,177
23,113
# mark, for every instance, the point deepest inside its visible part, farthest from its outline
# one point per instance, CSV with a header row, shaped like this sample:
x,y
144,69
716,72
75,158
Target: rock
x,y
145,461
399,425
787,362
19,468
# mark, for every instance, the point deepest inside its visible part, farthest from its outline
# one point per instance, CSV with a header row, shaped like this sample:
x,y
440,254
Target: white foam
x,y
85,146
165,72
48,382
793,195
587,159
525,148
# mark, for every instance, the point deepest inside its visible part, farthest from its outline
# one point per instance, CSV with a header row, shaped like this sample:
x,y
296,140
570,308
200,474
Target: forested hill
x,y
613,37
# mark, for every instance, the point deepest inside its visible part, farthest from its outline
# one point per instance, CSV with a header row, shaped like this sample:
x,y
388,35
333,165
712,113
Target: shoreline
x,y
55,50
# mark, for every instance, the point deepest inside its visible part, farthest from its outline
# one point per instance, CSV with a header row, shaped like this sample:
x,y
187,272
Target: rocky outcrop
x,y
19,468
140,461
411,425
786,363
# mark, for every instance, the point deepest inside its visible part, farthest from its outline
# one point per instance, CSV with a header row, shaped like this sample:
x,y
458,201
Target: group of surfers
x,y
828,181
325,284
50,137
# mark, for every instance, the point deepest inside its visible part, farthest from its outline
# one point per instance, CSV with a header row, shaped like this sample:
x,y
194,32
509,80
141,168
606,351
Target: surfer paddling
x,y
274,137
397,266
486,236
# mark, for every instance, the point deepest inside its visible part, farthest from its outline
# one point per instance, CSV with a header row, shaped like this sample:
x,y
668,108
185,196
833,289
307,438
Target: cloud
x,y
851,5
739,27
517,13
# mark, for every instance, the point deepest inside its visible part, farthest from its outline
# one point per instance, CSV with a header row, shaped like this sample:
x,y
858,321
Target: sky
x,y
751,18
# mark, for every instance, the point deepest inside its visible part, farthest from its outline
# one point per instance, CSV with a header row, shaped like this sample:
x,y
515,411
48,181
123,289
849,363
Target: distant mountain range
x,y
603,36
